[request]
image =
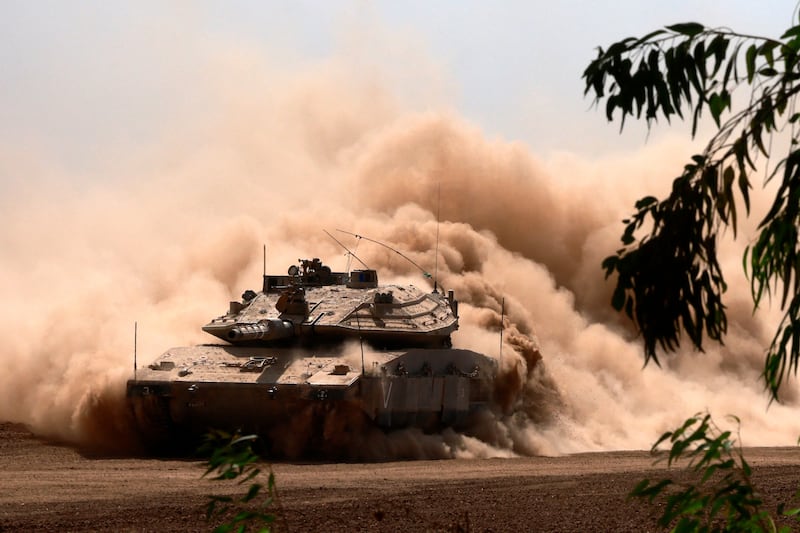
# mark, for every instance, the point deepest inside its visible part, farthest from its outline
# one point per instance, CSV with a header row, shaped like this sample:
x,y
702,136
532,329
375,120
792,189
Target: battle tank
x,y
293,363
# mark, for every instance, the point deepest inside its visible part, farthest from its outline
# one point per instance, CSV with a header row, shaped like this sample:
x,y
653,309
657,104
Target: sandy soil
x,y
48,487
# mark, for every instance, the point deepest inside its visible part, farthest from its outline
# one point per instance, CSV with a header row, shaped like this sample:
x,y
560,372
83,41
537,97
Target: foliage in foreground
x,y
669,280
232,457
722,496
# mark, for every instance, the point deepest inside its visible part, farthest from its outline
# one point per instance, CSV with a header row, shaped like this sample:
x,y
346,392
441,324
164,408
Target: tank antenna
x,y
357,236
502,324
349,253
436,257
135,336
264,268
350,256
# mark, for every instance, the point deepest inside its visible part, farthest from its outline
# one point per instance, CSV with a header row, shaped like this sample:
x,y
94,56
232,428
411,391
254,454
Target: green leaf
x,y
717,105
610,264
255,488
618,299
687,28
232,457
627,236
750,62
646,202
649,37
766,50
794,31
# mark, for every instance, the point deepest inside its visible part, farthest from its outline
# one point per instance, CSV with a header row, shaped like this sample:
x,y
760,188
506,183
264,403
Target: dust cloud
x,y
165,236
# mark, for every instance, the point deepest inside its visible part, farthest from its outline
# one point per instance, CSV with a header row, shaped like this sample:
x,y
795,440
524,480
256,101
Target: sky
x,y
148,150
87,77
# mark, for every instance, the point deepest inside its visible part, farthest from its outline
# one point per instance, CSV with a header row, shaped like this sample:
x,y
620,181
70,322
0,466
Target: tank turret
x,y
314,304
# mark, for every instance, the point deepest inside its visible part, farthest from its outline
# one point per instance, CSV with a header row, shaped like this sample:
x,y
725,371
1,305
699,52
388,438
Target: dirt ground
x,y
50,487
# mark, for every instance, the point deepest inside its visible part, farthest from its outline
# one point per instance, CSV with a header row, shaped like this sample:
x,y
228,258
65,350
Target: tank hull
x,y
294,395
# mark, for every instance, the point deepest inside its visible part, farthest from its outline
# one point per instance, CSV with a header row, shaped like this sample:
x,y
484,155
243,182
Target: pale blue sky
x,y
76,77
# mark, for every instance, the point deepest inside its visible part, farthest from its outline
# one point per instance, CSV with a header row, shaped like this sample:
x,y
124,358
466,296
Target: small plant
x,y
722,497
232,457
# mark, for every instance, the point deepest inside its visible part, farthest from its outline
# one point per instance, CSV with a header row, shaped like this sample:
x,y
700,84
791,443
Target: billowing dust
x,y
166,236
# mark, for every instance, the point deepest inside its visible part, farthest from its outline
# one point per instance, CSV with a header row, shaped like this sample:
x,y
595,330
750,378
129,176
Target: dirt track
x,y
46,487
